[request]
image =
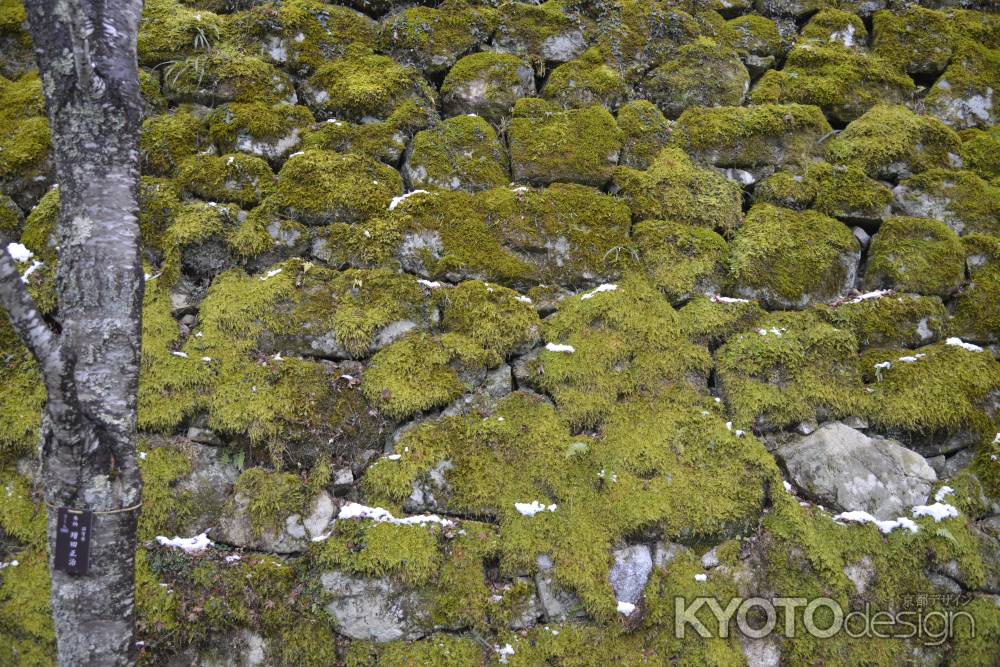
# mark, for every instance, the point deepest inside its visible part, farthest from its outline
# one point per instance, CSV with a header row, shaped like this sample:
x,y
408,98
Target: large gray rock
x,y
630,572
844,468
293,534
378,610
558,603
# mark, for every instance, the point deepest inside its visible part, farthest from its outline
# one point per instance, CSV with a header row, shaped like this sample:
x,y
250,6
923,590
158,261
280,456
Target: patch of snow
x,y
701,577
943,492
958,342
558,347
845,36
884,526
606,287
938,510
429,284
270,274
727,299
877,294
182,355
625,608
393,457
523,299
233,559
19,253
396,201
533,508
31,269
505,652
189,545
883,365
788,487
12,563
380,515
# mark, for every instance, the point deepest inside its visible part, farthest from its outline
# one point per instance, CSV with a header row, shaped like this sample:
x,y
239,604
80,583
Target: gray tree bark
x,y
86,53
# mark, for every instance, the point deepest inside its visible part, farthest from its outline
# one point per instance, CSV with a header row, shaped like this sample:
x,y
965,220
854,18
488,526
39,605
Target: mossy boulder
x,y
918,38
24,140
15,42
681,260
166,140
845,83
644,34
496,318
487,84
357,245
977,307
586,81
756,39
320,187
548,32
362,87
980,152
788,8
965,94
11,219
566,234
791,367
838,27
846,193
890,319
789,259
159,202
786,189
460,153
749,137
548,144
960,199
270,131
236,177
384,141
225,74
169,31
702,74
711,320
432,39
673,188
646,132
23,396
893,142
196,244
916,255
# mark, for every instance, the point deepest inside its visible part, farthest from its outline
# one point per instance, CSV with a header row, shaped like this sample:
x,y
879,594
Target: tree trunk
x,y
86,52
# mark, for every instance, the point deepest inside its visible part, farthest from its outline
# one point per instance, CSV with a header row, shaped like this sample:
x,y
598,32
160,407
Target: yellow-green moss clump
x,y
460,153
711,320
789,259
320,187
496,235
585,81
159,203
361,87
497,319
980,153
625,341
40,238
487,84
24,129
846,193
23,397
646,132
167,139
916,255
977,308
225,74
548,144
753,35
26,633
272,497
962,200
196,225
259,128
681,260
169,31
703,74
964,95
238,178
674,189
11,219
836,26
893,320
547,32
385,141
893,142
791,367
433,38
752,136
919,39
844,82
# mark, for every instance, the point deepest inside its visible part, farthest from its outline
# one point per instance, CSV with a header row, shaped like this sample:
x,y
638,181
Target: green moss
x,y
159,202
585,81
681,260
674,189
836,26
752,136
904,320
845,83
149,87
496,318
709,321
846,193
366,245
941,393
621,340
26,633
703,73
548,144
320,187
407,552
962,96
892,141
646,132
791,258
977,315
238,178
493,235
11,218
916,255
269,131
362,87
919,39
434,651
23,397
273,496
962,200
168,31
791,368
167,139
787,190
225,74
980,152
310,644
22,517
384,141
460,153
302,34
498,78
417,374
433,38
546,32
24,130
39,236
196,223
165,510
752,35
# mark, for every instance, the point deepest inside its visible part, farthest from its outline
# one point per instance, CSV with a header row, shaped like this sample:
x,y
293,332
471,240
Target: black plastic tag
x,y
73,540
